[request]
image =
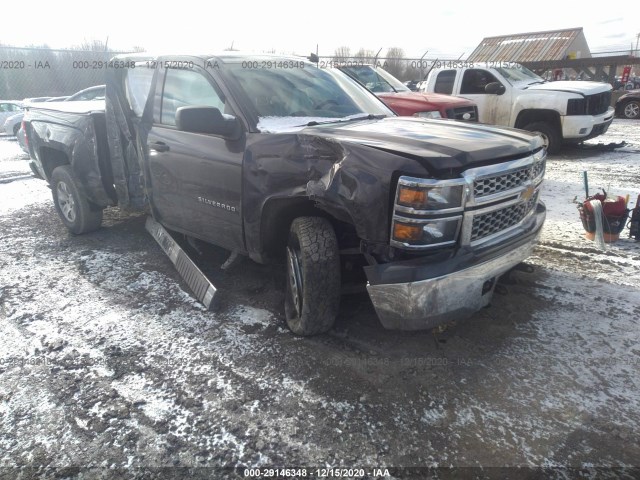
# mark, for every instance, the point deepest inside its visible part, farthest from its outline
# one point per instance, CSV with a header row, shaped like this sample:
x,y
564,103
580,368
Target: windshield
x,y
305,93
376,80
519,74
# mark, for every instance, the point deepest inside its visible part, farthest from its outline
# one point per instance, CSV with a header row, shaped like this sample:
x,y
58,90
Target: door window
x,y
474,81
184,88
444,82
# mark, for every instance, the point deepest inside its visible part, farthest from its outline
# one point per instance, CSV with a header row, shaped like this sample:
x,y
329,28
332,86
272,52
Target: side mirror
x,y
494,88
207,120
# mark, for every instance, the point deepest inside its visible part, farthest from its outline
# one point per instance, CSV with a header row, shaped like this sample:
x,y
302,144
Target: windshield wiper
x,y
533,83
352,118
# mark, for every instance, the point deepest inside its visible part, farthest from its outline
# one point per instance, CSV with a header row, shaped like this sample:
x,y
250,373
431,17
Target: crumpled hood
x,y
439,145
584,88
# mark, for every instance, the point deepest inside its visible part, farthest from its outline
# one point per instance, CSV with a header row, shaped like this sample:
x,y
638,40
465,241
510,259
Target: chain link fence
x,y
43,72
27,72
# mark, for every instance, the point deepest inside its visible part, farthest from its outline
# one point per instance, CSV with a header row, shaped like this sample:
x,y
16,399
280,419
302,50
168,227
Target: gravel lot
x,y
108,366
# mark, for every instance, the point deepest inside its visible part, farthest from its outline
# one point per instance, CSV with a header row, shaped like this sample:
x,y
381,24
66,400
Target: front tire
x,y
631,109
75,211
550,135
312,296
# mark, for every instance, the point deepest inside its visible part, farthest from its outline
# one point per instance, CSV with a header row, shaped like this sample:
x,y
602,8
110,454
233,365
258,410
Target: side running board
x,y
192,275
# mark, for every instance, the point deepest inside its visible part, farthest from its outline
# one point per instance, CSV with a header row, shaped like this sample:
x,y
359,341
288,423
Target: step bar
x,y
199,284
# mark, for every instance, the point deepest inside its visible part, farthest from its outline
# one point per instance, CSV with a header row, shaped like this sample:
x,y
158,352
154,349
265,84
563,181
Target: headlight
x,y
427,213
430,195
433,114
426,233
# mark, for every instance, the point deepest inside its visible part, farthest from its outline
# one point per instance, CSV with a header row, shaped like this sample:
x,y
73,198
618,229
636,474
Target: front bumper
x,y
583,127
459,287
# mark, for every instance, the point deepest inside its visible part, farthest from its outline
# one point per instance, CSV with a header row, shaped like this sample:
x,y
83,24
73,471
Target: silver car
x,y
12,124
8,108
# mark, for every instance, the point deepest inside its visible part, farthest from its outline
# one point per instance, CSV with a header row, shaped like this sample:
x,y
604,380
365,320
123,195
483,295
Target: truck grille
x,y
599,103
496,221
485,205
459,113
486,186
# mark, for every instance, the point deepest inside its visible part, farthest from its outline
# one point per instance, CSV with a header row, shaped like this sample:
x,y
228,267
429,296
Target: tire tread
x,y
320,261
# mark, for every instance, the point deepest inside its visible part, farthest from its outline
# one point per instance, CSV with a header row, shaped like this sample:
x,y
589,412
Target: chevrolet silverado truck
x,y
278,160
511,95
399,98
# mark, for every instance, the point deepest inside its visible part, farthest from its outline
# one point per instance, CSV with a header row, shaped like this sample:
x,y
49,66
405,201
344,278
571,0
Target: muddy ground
x,y
109,368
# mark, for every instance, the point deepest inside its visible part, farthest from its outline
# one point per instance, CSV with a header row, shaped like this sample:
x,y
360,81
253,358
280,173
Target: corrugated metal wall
x,y
530,47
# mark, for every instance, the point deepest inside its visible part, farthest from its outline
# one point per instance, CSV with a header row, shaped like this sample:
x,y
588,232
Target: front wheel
x,y
631,109
550,135
75,211
312,296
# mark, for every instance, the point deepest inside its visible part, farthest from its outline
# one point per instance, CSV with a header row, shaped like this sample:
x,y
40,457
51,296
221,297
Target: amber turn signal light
x,y
412,197
403,232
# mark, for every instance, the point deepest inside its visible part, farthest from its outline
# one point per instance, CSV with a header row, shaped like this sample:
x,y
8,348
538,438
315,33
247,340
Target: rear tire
x,y
75,211
549,133
16,129
312,296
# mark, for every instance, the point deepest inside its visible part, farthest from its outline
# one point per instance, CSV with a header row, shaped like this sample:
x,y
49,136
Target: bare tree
x,y
342,54
365,55
91,46
395,63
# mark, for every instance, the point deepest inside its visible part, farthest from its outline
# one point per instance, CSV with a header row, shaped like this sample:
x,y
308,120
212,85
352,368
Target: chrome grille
x,y
496,221
485,186
599,103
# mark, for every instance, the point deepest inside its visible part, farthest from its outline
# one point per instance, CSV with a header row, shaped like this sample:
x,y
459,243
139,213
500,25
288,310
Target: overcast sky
x,y
452,28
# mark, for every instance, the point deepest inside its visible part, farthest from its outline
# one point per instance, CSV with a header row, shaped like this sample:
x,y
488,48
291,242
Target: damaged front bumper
x,y
414,295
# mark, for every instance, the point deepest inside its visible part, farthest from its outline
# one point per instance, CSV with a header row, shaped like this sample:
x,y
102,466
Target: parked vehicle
x,y
511,95
412,85
91,93
632,83
407,103
9,108
12,124
628,105
36,99
303,166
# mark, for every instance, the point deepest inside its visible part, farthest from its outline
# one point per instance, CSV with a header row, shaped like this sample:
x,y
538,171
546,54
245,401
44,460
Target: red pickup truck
x,y
406,103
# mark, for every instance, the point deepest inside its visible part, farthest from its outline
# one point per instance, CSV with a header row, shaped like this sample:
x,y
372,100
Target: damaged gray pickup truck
x,y
276,159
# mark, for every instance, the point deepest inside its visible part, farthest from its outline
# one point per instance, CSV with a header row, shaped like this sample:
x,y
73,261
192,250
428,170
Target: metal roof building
x,y
533,47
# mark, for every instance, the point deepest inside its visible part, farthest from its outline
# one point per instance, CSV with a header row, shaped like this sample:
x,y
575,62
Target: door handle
x,y
159,147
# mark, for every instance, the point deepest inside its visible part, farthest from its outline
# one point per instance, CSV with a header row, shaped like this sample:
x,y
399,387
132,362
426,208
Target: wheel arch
x,y
531,115
276,219
50,159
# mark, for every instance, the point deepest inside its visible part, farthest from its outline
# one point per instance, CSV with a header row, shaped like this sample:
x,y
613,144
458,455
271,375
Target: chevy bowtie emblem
x,y
527,193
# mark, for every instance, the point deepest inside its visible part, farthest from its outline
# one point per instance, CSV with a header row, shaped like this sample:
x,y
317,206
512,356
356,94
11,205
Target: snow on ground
x,y
107,361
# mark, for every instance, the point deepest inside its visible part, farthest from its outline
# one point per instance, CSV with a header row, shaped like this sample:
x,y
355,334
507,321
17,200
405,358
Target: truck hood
x,y
438,145
583,88
426,99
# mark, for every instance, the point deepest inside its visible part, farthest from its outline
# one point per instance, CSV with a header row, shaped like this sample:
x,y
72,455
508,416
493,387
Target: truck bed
x,y
74,133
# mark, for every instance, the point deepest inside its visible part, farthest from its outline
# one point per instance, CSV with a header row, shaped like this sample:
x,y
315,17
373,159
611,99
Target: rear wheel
x,y
631,109
312,296
16,128
550,135
75,211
